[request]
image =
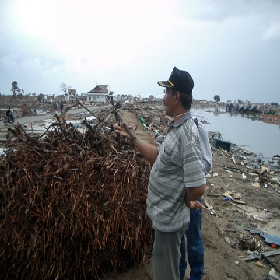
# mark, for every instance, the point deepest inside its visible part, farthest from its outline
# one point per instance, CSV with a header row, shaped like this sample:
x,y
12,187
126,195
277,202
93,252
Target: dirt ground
x,y
224,224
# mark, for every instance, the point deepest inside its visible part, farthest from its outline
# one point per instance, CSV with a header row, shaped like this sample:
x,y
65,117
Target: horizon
x,y
144,97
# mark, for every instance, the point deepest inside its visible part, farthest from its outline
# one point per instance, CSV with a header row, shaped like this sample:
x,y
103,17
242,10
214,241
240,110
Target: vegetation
x,y
15,88
40,98
64,88
217,98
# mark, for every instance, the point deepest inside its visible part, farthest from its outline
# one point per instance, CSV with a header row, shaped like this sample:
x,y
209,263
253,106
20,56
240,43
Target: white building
x,y
98,94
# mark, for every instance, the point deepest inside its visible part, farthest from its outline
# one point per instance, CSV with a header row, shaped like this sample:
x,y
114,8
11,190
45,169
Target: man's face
x,y
169,100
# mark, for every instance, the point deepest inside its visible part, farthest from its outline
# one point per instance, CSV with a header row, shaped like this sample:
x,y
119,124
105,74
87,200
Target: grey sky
x,y
231,48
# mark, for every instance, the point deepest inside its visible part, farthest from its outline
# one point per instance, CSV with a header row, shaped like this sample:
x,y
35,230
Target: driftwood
x,y
265,254
72,205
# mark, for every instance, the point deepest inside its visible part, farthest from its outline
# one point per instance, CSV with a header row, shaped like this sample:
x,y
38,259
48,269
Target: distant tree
x,y
217,98
64,88
40,98
15,88
20,93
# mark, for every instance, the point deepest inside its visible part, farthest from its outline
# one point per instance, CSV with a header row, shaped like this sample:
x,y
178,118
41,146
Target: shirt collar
x,y
181,120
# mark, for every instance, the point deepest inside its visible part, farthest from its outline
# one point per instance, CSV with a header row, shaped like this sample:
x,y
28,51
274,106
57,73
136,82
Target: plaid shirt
x,y
177,167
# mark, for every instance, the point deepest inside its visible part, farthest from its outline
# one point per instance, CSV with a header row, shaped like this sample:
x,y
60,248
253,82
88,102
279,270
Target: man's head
x,y
179,80
182,82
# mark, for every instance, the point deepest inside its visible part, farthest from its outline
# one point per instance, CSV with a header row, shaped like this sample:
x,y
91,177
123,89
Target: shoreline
x,y
76,115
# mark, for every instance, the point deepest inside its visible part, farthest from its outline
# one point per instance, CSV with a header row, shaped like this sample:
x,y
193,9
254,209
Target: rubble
x,y
236,172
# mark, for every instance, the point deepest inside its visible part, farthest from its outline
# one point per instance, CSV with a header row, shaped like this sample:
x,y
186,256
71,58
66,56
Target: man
x,y
176,180
195,248
61,106
194,235
9,115
8,112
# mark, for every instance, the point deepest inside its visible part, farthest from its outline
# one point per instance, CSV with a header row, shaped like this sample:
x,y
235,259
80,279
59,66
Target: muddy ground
x,y
226,240
224,223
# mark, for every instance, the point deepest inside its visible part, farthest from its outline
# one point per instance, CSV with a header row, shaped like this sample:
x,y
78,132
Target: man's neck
x,y
179,116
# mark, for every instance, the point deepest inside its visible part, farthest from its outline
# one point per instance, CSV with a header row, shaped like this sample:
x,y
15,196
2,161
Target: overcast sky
x,y
231,48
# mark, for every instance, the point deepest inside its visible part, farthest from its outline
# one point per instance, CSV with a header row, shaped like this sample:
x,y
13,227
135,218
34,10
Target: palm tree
x,y
15,88
217,98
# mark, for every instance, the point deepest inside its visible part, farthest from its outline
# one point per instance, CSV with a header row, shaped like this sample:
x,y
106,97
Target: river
x,y
254,136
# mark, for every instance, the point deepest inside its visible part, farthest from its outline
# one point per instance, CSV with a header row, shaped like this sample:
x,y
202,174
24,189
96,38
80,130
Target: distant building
x,y
98,94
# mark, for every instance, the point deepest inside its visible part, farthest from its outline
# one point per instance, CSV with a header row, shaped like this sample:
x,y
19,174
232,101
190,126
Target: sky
x,y
231,48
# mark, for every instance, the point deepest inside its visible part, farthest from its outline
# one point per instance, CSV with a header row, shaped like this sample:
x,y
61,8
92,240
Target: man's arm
x,y
147,150
192,194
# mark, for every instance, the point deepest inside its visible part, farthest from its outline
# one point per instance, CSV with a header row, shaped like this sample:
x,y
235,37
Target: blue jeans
x,y
195,248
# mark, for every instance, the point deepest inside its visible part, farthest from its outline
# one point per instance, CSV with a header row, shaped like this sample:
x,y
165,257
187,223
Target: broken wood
x,y
214,194
266,254
270,262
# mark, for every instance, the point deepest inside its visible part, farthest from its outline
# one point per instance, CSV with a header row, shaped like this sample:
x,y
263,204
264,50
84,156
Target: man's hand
x,y
122,130
191,196
194,204
147,150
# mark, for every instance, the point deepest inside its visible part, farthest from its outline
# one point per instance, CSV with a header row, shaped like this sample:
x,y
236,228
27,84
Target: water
x,y
252,135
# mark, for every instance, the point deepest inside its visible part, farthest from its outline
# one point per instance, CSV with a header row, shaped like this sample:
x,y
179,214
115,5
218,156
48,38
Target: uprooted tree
x,y
72,205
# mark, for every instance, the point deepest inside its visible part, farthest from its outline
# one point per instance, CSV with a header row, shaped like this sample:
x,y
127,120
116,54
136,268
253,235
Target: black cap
x,y
179,80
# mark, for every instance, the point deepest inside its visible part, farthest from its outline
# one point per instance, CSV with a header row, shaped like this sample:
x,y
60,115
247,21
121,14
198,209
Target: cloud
x,y
264,16
226,45
220,10
107,30
273,31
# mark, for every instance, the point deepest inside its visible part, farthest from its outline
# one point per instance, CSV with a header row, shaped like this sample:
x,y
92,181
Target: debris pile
x,y
73,205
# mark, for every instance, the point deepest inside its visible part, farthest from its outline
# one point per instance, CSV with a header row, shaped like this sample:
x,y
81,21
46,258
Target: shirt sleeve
x,y
191,157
